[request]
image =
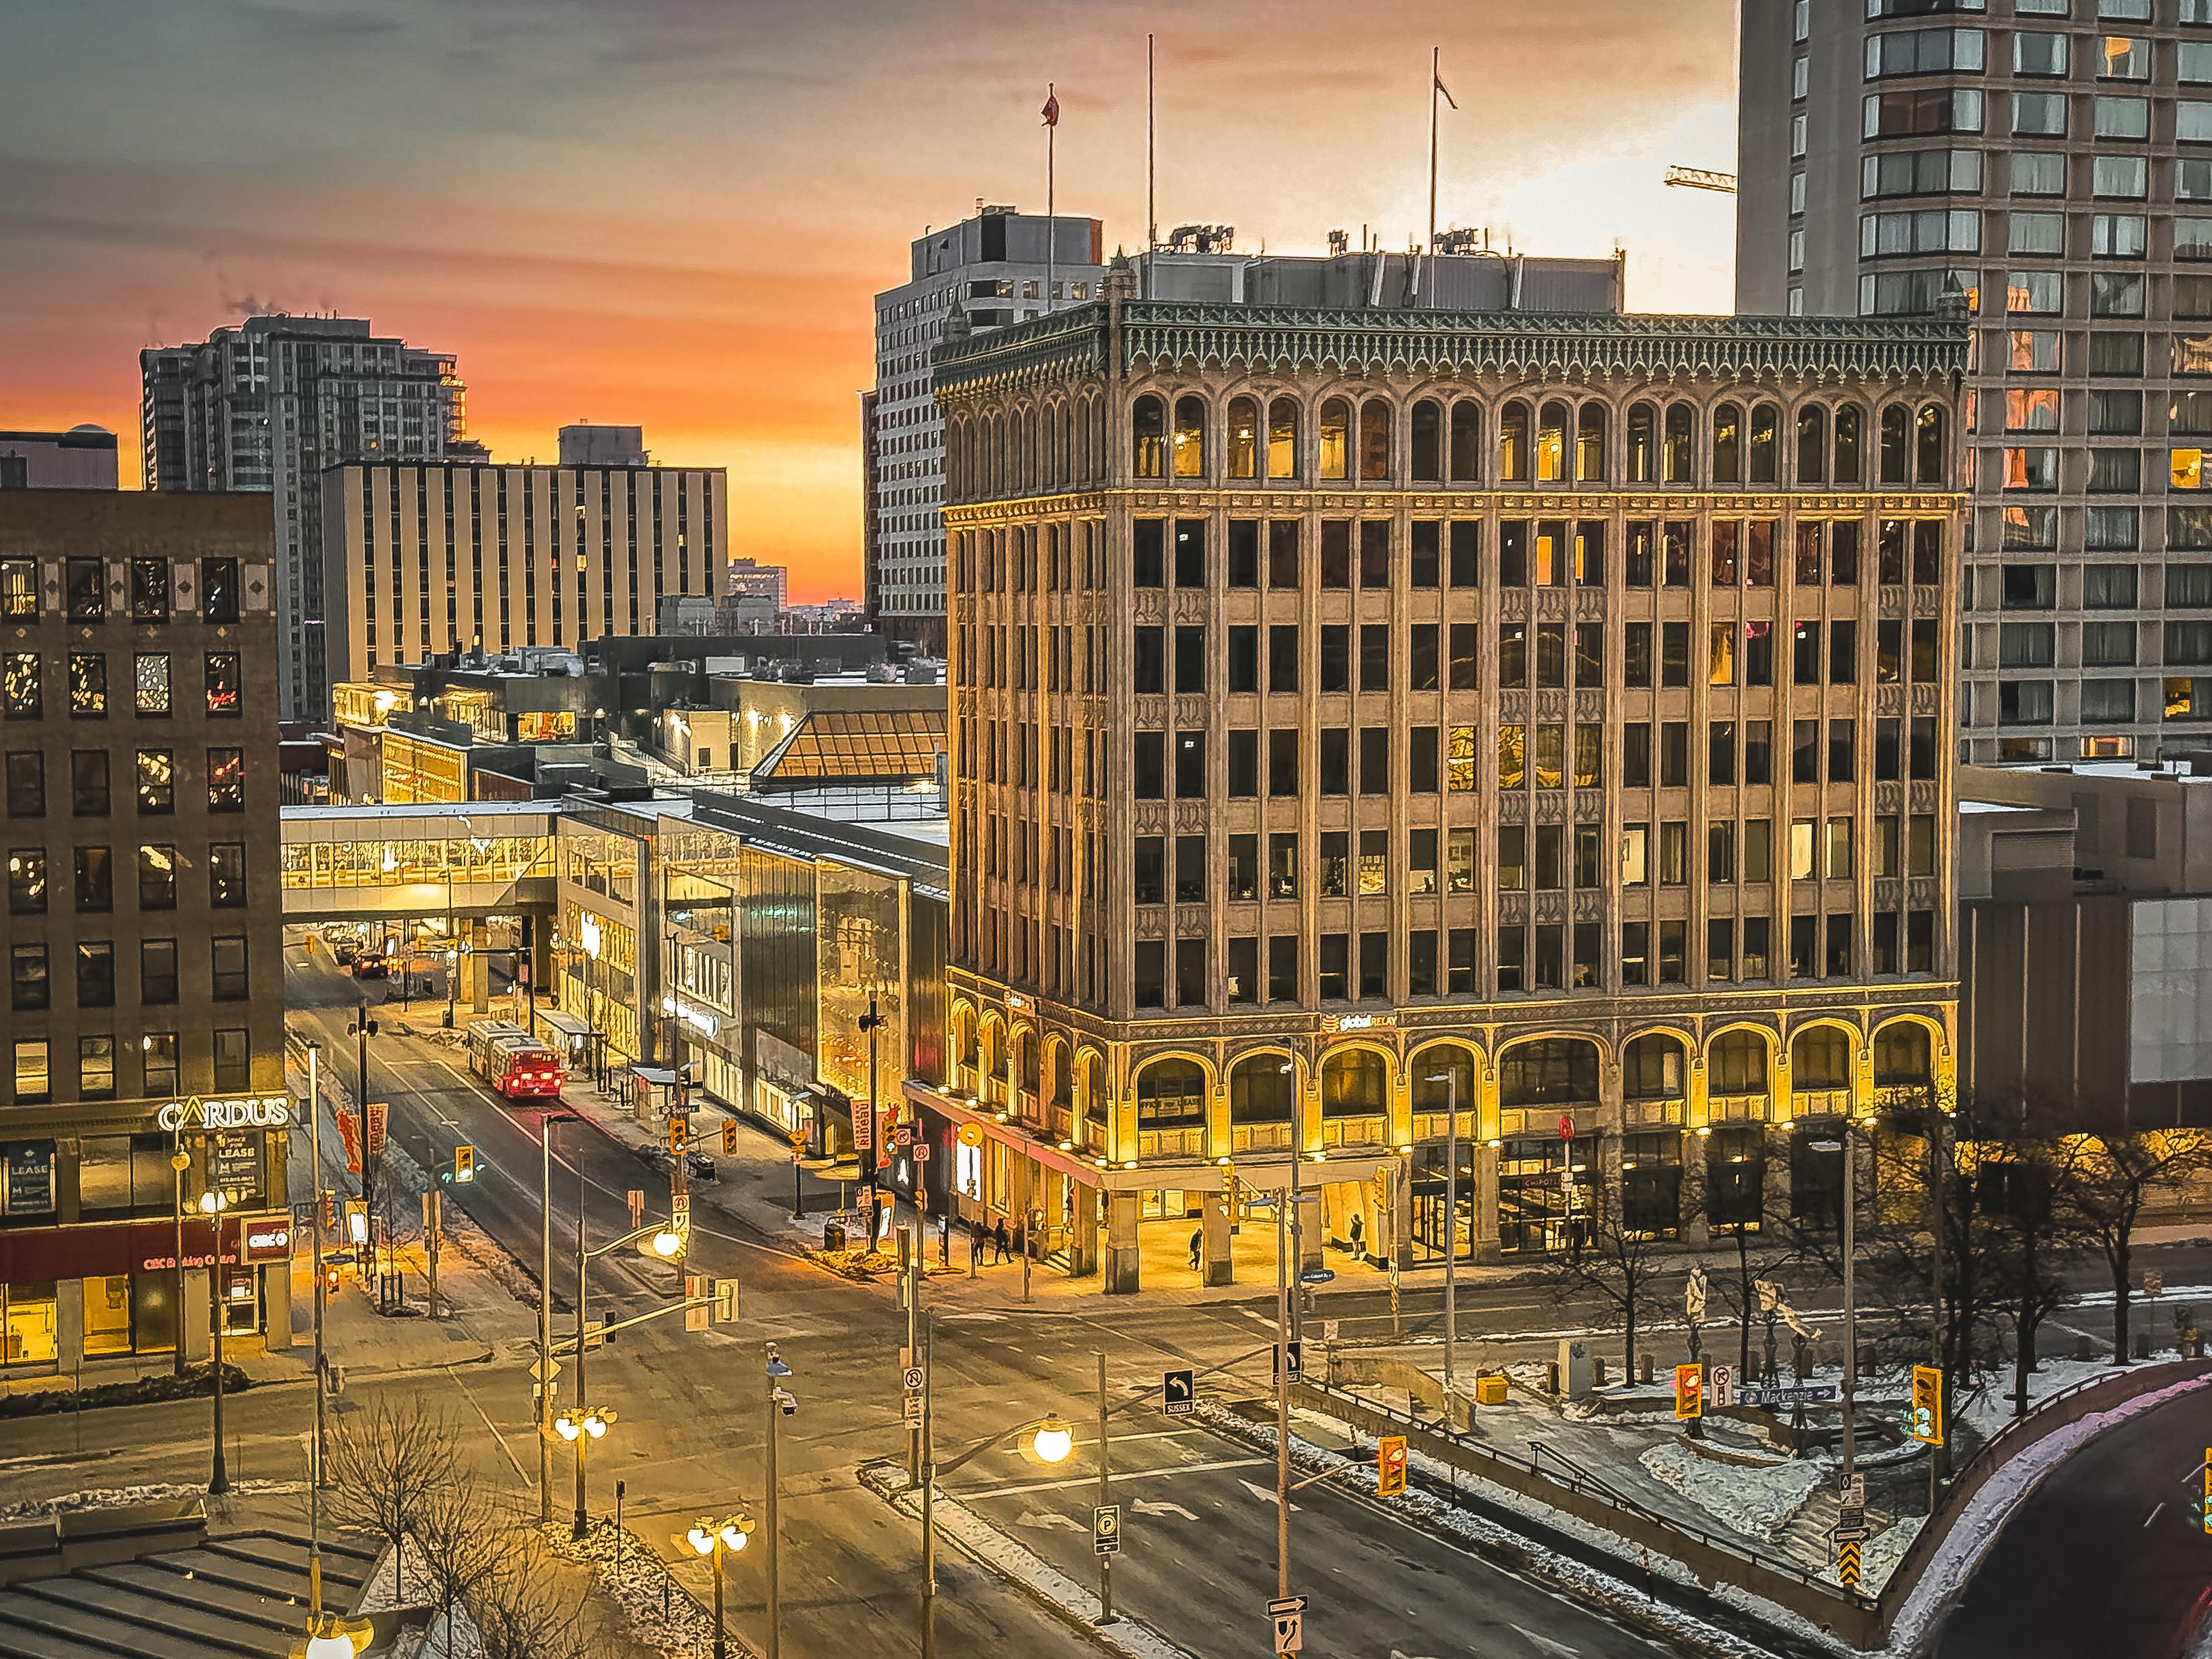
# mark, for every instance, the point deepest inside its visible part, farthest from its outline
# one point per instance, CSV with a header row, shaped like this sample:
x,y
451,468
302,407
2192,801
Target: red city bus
x,y
514,1063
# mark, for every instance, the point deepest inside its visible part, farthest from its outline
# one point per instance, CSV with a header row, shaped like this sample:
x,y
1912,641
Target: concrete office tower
x,y
431,559
2050,164
603,446
1567,708
143,930
267,405
83,458
993,270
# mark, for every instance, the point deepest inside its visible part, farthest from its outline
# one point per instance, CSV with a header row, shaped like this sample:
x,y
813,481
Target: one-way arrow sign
x,y
1178,1394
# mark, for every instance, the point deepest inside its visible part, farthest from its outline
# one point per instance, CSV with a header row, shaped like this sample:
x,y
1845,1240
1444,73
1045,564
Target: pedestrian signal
x,y
1689,1391
1390,1466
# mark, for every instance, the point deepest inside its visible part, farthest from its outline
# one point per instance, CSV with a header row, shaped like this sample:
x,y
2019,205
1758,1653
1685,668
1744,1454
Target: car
x,y
345,954
702,1166
372,966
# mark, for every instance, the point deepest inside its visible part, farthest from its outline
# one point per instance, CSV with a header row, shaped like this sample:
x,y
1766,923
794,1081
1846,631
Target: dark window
x,y
1423,560
1466,654
1282,553
1674,653
95,881
1244,658
1148,871
95,973
1282,657
27,987
157,972
1421,657
1190,660
1148,767
89,783
1190,552
1421,760
1336,960
1466,553
234,1064
1190,869
1335,657
1148,556
228,959
1243,975
1374,657
1374,553
1375,964
1375,760
1243,764
1283,968
1335,761
1147,663
1282,763
1243,552
1189,765
26,785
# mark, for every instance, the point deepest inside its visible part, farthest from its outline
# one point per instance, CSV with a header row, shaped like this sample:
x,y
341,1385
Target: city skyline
x,y
541,196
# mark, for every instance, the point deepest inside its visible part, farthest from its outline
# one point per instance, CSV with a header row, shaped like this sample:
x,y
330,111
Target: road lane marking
x,y
1090,1482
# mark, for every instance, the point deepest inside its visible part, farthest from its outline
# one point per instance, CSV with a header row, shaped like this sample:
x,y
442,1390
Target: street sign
x,y
1847,1562
1926,1421
971,1134
864,1127
1566,1129
725,1301
1289,1616
433,1218
1106,1529
910,1379
636,1208
1297,1365
1850,1520
697,1288
679,1213
1808,1394
910,1411
1178,1394
1390,1466
1689,1391
378,1112
1853,1493
1723,1384
544,1371
921,1152
1317,1276
904,1135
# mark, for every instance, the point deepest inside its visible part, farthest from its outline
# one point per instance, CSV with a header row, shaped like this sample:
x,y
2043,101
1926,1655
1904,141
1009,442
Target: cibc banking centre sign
x,y
237,1112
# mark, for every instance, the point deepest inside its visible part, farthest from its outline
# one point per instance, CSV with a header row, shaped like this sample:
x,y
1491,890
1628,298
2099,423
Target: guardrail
x,y
2050,1414
1576,1492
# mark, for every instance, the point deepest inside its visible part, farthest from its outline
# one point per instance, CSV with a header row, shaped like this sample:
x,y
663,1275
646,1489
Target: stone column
x,y
68,1321
1217,1122
1083,1236
1399,1219
1122,1260
1484,1219
1696,1231
194,1329
1220,1268
277,1306
479,986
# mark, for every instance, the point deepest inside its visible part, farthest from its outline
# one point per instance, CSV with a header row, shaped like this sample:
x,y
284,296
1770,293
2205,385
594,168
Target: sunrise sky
x,y
674,213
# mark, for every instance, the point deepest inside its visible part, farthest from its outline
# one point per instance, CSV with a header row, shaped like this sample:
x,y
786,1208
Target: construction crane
x,y
1700,178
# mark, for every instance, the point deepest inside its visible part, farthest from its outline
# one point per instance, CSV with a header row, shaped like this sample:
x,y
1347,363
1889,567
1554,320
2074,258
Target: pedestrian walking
x,y
977,1234
1197,1250
998,1241
1358,1233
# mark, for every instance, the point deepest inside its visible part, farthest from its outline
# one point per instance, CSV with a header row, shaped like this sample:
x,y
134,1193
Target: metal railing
x,y
1583,1483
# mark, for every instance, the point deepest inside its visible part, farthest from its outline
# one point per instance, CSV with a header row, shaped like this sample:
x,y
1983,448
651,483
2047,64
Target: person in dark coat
x,y
1000,1241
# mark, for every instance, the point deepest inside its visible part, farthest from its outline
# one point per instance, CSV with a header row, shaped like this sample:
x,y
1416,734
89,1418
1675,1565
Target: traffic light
x,y
679,1135
729,1137
2200,1507
1689,1391
465,1164
1390,1466
1926,1420
330,1208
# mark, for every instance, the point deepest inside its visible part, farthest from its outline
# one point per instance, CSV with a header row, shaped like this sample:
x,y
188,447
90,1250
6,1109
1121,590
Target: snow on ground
x,y
662,1613
1757,1503
102,1497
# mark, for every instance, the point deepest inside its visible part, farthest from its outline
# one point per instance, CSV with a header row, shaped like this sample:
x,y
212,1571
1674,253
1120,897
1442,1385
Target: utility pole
x,y
545,1319
179,1161
322,1287
1851,1312
928,1490
1939,1331
219,1475
870,1023
776,1370
581,1523
1451,1078
1283,1240
910,1276
1105,1460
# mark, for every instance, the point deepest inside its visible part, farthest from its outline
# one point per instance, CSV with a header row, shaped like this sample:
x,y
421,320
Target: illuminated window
x,y
150,683
88,684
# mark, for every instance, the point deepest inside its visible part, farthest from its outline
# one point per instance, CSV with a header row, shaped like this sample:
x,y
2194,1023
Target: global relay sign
x,y
239,1112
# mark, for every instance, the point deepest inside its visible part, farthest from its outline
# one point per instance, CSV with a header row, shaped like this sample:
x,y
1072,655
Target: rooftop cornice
x,y
1170,335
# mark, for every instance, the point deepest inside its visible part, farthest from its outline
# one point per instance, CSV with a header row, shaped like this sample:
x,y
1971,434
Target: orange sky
x,y
674,213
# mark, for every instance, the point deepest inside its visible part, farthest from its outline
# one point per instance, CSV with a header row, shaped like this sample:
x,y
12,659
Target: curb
x,y
888,1482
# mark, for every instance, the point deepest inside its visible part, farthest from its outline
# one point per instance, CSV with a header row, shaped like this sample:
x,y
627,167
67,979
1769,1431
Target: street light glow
x,y
1055,1441
667,1242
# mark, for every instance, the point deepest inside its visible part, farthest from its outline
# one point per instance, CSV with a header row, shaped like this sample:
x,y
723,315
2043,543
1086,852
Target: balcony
x,y
1431,1126
1366,1131
1735,1109
1656,1113
1157,1144
1821,1103
1258,1138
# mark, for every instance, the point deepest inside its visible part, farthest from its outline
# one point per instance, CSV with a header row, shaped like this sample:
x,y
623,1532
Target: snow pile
x,y
1758,1502
447,1634
644,1587
104,1498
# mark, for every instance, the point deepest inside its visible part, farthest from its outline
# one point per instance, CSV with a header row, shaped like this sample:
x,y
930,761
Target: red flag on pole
x,y
1051,110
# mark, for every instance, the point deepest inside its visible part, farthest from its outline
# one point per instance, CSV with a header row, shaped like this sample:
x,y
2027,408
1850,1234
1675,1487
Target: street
x,y
689,1439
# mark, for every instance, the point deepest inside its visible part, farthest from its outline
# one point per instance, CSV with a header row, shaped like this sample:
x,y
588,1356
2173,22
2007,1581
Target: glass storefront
x,y
30,1324
132,1313
1427,1190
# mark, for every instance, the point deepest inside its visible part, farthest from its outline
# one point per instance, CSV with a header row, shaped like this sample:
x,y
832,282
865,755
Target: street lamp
x,y
663,1241
589,928
212,1203
581,1425
711,1538
1450,1080
782,1403
179,1161
1055,1441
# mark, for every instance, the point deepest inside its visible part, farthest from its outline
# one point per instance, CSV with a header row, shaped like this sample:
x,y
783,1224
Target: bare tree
x,y
386,1461
1614,1257
462,1533
525,1605
2101,1184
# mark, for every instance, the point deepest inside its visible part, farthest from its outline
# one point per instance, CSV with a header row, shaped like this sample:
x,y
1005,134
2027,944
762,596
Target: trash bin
x,y
833,1236
1490,1390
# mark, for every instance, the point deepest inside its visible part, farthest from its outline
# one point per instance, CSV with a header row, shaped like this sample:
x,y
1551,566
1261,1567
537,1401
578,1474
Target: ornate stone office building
x,y
1351,711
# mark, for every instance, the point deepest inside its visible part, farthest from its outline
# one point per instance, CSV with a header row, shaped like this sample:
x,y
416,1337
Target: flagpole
x,y
1051,229
1435,80
1151,215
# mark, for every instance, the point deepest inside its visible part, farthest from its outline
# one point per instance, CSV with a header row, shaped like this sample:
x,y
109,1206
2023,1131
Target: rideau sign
x,y
238,1112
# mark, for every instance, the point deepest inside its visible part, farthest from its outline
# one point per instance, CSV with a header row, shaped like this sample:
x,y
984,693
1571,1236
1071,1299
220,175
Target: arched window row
x,y
1539,440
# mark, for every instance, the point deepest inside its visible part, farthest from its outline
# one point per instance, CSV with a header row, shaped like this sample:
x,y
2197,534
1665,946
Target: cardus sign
x,y
238,1112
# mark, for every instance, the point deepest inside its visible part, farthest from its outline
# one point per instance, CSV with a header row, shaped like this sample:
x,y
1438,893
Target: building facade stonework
x,y
1352,712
